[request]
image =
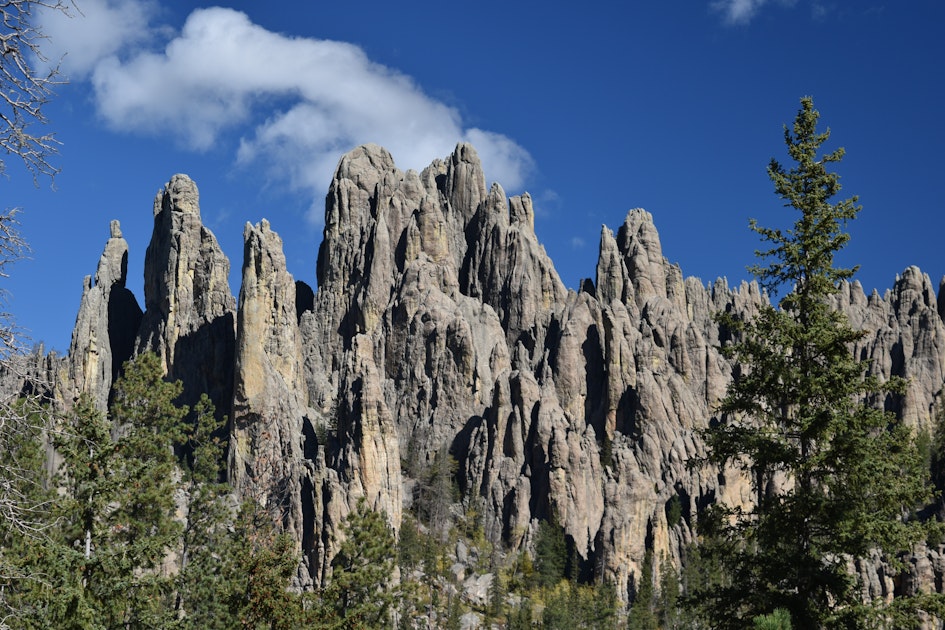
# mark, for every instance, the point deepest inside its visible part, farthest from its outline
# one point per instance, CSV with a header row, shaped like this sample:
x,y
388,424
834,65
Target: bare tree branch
x,y
27,82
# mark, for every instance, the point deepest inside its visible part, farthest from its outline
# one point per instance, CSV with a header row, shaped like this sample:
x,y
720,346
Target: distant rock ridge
x,y
440,322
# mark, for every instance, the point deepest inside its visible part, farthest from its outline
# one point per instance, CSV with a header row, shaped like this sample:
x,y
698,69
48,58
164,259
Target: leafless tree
x,y
27,81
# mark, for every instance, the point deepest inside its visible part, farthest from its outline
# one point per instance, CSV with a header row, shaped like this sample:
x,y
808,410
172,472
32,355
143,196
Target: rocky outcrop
x,y
105,328
269,397
189,316
904,337
440,324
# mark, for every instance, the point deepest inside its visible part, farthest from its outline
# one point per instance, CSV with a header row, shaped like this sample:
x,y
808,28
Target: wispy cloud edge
x,y
217,72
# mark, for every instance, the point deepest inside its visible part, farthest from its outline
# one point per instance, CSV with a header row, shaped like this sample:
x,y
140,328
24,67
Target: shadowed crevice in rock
x,y
439,320
304,298
124,318
189,316
203,362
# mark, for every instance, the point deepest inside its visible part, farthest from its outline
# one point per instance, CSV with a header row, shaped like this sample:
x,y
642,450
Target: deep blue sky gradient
x,y
664,106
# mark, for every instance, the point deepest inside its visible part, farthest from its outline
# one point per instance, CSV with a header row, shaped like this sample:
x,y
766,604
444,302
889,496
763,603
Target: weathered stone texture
x,y
440,322
269,396
106,324
189,316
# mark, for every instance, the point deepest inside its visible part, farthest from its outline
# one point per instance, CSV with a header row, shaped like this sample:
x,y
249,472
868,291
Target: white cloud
x,y
221,70
738,11
98,28
502,158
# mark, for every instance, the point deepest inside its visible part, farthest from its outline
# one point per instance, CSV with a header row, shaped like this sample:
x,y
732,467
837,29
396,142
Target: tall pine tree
x,y
202,585
109,564
834,477
362,590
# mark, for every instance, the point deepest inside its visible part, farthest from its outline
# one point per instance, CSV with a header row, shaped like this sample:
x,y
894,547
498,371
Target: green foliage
x,y
117,515
202,586
780,619
27,493
551,553
570,606
656,609
642,613
25,512
668,603
702,573
115,553
832,475
521,617
103,564
545,592
361,589
138,529
261,561
932,446
472,527
412,545
497,593
436,491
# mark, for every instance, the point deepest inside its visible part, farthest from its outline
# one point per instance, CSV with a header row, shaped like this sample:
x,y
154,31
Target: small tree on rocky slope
x,y
834,476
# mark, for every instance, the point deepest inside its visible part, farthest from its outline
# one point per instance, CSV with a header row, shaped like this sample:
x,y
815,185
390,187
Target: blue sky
x,y
673,107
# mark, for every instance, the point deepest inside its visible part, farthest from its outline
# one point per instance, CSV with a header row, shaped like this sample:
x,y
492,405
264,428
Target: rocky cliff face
x,y
106,325
189,310
269,405
440,323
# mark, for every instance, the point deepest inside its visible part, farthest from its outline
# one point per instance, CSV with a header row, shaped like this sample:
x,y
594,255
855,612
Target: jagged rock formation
x,y
269,410
440,322
106,325
904,337
189,314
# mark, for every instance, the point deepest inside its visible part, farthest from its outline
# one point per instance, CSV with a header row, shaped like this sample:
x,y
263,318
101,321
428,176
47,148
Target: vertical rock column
x,y
269,387
104,330
189,308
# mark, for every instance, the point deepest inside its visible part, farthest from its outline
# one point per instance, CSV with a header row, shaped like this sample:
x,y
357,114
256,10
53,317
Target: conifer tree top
x,y
802,257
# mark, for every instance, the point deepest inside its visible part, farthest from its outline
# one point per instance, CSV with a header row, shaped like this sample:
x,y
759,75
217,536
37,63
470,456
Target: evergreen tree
x,y
106,566
436,492
642,614
570,605
668,601
141,524
91,484
495,609
118,554
520,618
780,619
29,499
551,553
362,591
832,474
202,588
259,563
